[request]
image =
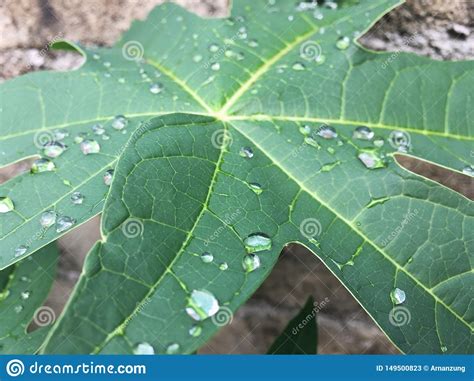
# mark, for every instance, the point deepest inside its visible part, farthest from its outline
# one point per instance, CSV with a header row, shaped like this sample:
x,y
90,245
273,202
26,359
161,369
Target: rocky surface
x,y
440,29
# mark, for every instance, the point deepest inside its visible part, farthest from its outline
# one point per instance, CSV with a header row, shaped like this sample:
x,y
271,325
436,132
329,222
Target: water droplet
x,y
197,58
64,223
363,133
327,132
246,152
251,262
257,242
107,64
216,66
4,294
207,257
253,43
223,266
6,205
305,130
257,188
444,349
156,88
121,80
195,331
242,33
108,177
96,56
42,165
398,296
143,349
371,159
89,147
60,134
20,250
97,129
54,149
469,170
172,349
105,137
298,66
330,4
202,305
25,295
119,122
80,138
48,219
343,43
379,142
213,48
309,140
18,309
318,15
77,198
25,279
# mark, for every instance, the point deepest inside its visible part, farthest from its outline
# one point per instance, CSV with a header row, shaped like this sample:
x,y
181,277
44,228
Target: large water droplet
x,y
257,242
343,43
97,129
207,257
20,250
363,133
398,296
90,147
48,219
327,132
54,149
64,223
143,349
42,165
251,262
108,177
202,305
156,88
172,349
195,331
6,205
77,198
469,170
246,152
119,122
371,159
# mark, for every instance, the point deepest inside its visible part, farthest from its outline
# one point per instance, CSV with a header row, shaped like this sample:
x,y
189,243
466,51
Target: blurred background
x,y
439,29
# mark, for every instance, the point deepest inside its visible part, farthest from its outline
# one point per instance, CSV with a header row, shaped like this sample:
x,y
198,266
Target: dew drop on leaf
x,y
119,122
216,66
253,43
327,132
25,295
195,331
98,129
246,152
60,134
80,138
371,159
469,170
90,147
197,58
42,165
223,266
298,66
18,309
257,188
77,198
108,177
363,133
64,223
20,250
202,305
48,219
213,48
398,296
156,88
309,140
172,349
257,242
54,149
207,257
143,349
343,43
251,262
6,205
305,130
379,142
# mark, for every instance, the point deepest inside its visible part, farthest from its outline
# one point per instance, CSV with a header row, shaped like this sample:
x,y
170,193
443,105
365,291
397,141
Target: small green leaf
x,y
300,336
23,288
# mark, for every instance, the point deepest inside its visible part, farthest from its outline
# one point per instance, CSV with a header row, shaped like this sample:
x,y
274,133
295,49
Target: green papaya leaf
x,y
300,337
287,132
24,287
